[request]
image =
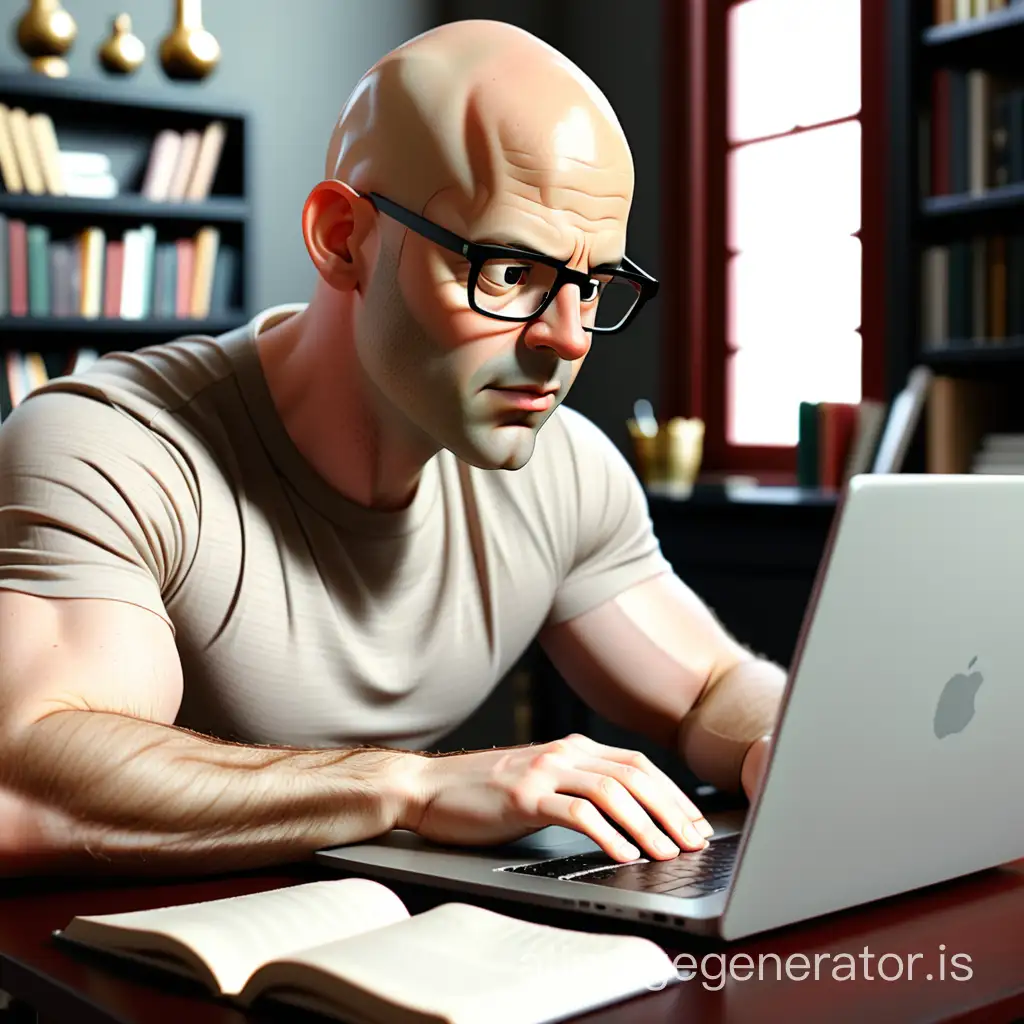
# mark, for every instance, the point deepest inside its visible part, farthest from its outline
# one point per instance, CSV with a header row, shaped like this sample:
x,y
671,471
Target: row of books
x,y
23,372
945,12
975,132
837,440
135,276
972,292
1002,454
182,166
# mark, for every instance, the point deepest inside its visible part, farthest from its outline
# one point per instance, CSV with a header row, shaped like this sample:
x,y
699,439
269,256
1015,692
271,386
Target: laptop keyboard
x,y
692,873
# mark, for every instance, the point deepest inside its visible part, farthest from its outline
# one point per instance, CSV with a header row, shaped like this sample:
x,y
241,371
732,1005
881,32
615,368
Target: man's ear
x,y
336,221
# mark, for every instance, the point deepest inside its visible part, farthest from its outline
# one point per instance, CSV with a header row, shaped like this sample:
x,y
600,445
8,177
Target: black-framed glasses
x,y
508,283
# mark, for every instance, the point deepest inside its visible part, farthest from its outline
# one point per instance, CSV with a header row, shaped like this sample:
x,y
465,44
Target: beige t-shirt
x,y
165,478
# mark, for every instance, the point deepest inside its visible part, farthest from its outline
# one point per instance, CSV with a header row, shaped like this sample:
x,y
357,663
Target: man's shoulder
x,y
148,381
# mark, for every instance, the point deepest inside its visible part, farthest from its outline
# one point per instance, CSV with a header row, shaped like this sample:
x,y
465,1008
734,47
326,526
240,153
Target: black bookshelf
x,y
915,220
967,356
216,210
993,40
1001,200
105,333
119,119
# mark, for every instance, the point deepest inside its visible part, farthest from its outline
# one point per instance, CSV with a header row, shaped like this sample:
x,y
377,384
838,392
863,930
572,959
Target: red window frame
x,y
693,297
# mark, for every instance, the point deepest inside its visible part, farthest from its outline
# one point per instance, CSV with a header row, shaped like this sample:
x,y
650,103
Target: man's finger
x,y
627,813
646,765
578,813
654,796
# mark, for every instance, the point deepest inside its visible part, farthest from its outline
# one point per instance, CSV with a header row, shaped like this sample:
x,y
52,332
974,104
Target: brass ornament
x,y
45,33
123,51
189,51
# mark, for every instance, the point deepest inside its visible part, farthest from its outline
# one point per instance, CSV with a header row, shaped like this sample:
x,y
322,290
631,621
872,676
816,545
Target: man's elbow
x,y
738,706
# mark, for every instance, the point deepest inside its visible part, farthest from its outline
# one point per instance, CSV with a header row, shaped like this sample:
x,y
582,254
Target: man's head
x,y
488,132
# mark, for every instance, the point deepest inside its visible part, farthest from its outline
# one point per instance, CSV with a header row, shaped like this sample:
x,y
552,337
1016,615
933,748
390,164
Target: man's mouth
x,y
529,397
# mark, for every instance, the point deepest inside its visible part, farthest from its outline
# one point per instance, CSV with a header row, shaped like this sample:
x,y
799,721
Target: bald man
x,y
247,581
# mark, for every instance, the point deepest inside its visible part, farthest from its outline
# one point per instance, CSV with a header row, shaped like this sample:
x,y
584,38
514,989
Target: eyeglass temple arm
x,y
436,233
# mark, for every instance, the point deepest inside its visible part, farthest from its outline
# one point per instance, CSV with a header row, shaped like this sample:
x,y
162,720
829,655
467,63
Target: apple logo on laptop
x,y
956,705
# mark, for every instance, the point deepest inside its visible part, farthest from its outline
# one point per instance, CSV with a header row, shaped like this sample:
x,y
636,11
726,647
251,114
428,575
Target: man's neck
x,y
333,414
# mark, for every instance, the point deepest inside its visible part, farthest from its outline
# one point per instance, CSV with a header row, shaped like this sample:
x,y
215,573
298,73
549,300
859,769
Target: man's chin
x,y
510,446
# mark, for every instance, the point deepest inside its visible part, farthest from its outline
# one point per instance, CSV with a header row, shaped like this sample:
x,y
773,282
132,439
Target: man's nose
x,y
560,327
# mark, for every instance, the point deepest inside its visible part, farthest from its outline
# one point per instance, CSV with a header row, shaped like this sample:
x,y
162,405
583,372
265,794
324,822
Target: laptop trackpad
x,y
550,841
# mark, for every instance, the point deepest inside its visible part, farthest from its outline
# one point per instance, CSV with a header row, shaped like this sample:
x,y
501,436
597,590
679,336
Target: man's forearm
x,y
98,791
741,706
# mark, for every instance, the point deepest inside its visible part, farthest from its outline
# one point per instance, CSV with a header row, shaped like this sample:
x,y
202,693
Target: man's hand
x,y
754,763
494,796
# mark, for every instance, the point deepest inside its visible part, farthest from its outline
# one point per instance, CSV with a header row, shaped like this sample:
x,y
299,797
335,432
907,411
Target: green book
x,y
807,446
37,242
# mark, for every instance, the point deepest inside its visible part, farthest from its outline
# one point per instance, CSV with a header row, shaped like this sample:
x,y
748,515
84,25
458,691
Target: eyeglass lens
x,y
518,289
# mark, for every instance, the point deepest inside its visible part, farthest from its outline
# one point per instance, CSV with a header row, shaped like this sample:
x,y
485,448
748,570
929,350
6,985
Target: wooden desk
x,y
982,917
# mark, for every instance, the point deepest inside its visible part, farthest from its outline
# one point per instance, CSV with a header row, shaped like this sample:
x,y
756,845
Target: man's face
x,y
452,372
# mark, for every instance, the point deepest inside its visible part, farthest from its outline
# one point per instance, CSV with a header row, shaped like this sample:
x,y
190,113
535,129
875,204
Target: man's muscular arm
x,y
655,659
93,777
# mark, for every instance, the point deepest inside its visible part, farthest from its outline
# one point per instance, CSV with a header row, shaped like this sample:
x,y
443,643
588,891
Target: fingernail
x,y
663,845
629,852
702,826
692,837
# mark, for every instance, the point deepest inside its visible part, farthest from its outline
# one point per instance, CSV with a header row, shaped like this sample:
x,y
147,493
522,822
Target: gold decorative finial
x,y
189,51
123,52
45,33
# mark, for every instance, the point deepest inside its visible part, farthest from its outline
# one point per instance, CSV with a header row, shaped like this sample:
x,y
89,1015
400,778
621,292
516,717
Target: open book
x,y
349,948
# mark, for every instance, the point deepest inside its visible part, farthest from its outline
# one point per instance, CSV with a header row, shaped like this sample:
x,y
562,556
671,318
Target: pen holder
x,y
670,458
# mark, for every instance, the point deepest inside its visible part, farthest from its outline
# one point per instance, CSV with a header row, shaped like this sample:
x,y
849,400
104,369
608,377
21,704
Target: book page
x,y
461,963
235,936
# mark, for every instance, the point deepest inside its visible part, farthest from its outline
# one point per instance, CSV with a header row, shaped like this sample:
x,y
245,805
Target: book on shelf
x,y
87,175
946,12
1001,454
902,421
350,949
837,440
972,292
136,276
975,130
180,166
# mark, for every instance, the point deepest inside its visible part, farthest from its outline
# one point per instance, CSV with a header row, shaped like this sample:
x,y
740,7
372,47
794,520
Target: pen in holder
x,y
668,455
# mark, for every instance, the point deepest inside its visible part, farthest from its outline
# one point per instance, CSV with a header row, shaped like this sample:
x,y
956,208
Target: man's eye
x,y
506,275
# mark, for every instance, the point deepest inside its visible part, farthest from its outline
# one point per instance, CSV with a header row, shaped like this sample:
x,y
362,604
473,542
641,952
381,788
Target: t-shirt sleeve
x,y
613,544
93,504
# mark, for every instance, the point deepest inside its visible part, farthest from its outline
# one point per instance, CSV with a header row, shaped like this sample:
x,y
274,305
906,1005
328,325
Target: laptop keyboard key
x,y
691,874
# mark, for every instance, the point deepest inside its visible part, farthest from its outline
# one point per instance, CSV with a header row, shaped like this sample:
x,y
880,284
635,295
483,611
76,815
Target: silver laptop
x,y
897,761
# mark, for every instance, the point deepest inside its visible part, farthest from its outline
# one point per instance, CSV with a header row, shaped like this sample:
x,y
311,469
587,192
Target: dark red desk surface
x,y
981,916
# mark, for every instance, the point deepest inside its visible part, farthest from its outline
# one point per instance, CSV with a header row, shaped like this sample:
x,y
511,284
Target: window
x,y
775,143
793,278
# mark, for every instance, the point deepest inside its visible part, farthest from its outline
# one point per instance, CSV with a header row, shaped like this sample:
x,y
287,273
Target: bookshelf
x,y
955,225
122,122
